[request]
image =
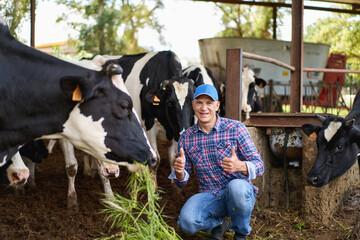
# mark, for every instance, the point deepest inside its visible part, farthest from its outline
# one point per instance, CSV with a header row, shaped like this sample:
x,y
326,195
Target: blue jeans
x,y
204,211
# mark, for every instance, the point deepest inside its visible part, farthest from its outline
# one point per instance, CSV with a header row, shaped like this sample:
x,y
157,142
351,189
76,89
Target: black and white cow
x,y
203,75
105,170
161,95
254,99
338,142
32,153
14,172
251,101
45,97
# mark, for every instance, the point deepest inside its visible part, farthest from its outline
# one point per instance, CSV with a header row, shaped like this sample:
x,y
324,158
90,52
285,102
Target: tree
x,y
248,21
341,31
15,12
112,26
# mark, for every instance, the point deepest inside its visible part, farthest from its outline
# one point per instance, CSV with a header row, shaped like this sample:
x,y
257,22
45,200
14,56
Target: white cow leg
x,y
152,136
172,151
51,145
107,185
90,167
71,166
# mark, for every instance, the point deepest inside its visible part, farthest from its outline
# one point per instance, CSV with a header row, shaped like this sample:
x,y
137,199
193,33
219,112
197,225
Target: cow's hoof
x,y
72,202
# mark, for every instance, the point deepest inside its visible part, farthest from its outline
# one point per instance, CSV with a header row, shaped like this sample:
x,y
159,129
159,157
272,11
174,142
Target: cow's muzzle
x,y
153,162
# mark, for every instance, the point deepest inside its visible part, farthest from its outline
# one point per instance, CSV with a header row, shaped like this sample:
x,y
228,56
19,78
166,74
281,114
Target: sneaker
x,y
218,232
239,236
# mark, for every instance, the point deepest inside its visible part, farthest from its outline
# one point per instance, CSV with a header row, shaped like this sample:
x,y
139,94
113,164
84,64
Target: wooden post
x,y
32,16
296,83
233,83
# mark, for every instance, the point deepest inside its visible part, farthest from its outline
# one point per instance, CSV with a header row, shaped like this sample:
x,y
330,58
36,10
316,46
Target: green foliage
x,y
138,217
300,226
15,12
341,31
112,26
248,21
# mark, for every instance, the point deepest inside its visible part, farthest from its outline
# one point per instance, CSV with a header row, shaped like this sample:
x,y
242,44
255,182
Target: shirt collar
x,y
215,128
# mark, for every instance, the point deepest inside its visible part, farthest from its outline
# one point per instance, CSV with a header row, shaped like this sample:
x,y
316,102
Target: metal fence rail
x,y
336,99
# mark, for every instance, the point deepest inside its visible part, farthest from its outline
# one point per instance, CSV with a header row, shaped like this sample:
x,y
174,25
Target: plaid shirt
x,y
206,151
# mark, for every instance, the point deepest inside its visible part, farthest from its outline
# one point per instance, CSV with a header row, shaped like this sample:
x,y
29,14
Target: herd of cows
x,y
115,108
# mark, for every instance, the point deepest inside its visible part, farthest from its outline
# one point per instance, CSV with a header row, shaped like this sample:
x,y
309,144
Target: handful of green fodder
x,y
138,219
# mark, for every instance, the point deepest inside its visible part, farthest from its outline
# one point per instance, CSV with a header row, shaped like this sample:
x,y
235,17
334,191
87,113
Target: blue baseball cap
x,y
206,89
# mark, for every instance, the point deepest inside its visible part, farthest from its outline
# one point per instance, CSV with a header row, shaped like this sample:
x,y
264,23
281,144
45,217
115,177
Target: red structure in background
x,y
333,82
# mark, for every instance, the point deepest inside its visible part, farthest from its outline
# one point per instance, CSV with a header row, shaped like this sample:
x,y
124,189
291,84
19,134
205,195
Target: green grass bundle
x,y
138,217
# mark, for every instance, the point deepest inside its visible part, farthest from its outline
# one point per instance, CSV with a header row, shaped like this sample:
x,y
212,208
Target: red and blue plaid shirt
x,y
206,151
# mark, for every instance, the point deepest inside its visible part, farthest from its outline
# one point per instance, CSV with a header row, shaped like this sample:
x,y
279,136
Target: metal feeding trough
x,y
281,128
278,138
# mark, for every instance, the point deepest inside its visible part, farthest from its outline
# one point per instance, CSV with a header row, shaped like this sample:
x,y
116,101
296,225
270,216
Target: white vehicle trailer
x,y
213,56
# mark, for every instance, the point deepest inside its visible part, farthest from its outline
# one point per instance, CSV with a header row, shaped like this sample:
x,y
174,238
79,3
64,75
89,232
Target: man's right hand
x,y
179,165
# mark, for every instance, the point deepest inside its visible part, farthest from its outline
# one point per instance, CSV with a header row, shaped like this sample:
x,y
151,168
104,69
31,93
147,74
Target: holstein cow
x,y
105,170
160,94
45,97
338,141
14,172
31,153
251,101
203,75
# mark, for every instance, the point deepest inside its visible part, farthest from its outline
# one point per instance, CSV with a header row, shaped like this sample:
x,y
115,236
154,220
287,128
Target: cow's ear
x,y
350,123
112,68
77,88
355,135
260,82
153,96
309,128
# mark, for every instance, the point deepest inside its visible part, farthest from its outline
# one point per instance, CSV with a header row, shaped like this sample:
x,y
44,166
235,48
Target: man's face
x,y
205,109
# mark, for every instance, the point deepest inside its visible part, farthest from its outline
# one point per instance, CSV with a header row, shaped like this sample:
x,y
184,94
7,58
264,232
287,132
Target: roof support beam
x,y
32,16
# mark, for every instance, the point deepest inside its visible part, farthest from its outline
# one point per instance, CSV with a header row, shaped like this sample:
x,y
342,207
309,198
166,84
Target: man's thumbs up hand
x,y
179,165
233,164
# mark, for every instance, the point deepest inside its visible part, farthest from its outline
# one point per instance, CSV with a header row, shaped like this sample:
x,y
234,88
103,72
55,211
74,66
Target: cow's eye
x,y
169,104
339,147
124,106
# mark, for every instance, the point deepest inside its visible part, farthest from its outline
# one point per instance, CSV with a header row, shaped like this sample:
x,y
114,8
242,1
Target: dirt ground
x,y
42,214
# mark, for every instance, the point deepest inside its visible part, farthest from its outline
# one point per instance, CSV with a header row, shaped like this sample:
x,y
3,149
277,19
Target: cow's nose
x,y
112,173
153,162
19,177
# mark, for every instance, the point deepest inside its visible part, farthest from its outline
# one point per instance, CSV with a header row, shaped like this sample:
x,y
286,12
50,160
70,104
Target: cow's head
x,y
173,101
337,141
248,91
14,172
102,123
106,64
254,99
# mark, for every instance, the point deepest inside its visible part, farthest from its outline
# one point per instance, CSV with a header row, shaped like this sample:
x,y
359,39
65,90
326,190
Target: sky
x,y
185,23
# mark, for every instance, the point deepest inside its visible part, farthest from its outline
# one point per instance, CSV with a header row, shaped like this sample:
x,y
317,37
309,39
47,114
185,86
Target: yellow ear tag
x,y
156,100
313,136
77,94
